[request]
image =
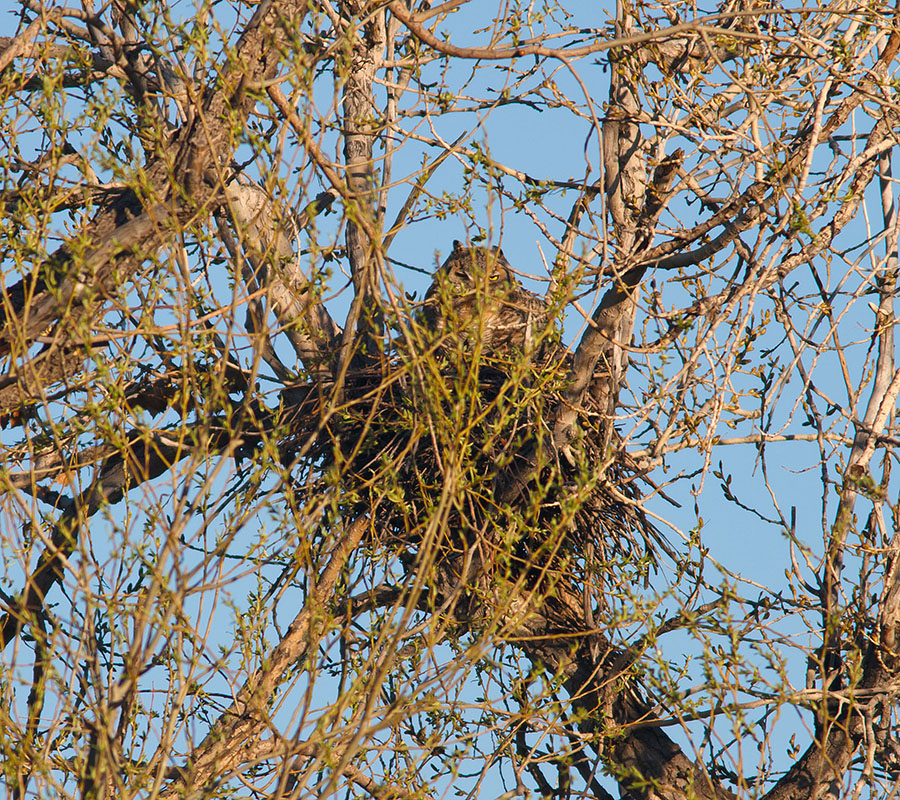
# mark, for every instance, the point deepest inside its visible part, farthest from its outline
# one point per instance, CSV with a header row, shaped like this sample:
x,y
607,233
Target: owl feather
x,y
476,300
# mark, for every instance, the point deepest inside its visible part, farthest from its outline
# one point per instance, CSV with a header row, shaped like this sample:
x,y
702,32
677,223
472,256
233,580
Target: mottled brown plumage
x,y
475,299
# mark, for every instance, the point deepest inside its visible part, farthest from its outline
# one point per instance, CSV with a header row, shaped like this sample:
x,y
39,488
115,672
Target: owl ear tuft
x,y
458,245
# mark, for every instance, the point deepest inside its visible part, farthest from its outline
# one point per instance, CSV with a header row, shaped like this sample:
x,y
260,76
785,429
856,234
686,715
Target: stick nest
x,y
451,455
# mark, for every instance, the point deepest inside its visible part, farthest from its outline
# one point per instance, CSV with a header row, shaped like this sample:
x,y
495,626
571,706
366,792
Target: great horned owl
x,y
475,298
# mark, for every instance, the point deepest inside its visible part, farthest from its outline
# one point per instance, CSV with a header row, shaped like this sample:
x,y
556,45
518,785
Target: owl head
x,y
471,267
476,301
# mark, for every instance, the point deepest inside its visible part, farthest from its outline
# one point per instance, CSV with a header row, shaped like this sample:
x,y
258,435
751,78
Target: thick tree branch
x,y
147,457
272,265
223,748
125,234
413,23
745,210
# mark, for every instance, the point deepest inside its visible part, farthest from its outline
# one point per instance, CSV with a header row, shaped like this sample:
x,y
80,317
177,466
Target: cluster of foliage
x,y
277,523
